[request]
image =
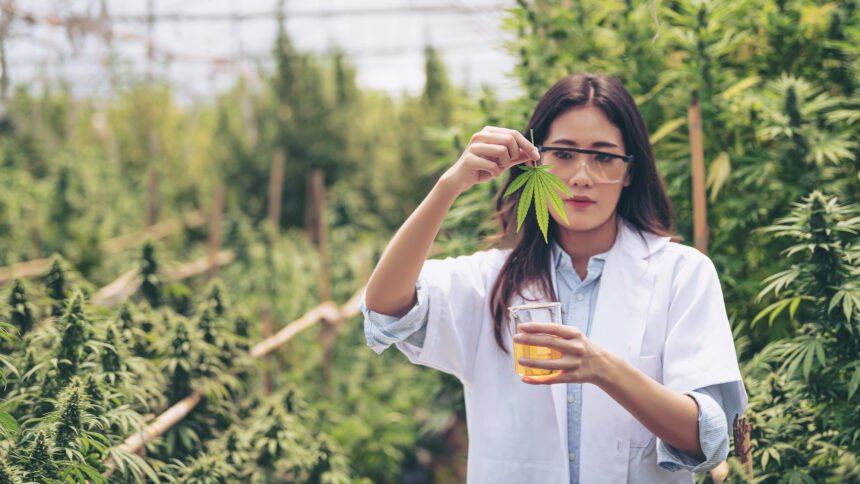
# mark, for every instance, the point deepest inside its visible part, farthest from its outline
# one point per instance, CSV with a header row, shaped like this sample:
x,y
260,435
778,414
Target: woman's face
x,y
585,127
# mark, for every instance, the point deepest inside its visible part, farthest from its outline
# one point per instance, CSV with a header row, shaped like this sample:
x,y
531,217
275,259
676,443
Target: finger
x,y
568,332
558,364
523,157
544,379
482,164
545,341
498,153
521,140
503,139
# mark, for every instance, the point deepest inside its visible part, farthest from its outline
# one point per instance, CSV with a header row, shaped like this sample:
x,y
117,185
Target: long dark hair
x,y
644,203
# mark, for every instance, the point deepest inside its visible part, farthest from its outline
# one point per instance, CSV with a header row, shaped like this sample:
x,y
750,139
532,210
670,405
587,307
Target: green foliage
x,y
76,331
38,465
217,299
437,97
55,282
79,379
179,365
112,363
21,314
7,337
150,286
776,82
69,414
803,389
8,474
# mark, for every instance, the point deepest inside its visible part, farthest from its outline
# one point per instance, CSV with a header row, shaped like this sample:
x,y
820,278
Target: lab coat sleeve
x,y
457,289
699,350
381,330
718,405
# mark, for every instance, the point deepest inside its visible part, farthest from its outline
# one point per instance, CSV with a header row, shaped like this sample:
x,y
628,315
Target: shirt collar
x,y
560,257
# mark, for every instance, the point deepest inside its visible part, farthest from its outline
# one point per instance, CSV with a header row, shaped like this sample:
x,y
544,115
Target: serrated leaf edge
x,y
525,201
556,200
515,185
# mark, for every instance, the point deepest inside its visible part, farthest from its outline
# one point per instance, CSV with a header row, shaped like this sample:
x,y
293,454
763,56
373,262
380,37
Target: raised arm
x,y
391,288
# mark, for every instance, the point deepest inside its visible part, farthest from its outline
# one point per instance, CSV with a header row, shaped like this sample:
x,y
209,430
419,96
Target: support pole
x,y
697,153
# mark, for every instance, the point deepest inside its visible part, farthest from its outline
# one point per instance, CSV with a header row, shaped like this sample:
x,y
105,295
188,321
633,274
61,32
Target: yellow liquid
x,y
537,353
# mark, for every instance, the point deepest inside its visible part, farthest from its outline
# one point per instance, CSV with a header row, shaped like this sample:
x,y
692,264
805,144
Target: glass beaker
x,y
534,313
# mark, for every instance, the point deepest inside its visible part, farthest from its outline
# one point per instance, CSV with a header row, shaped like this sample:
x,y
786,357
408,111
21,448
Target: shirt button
x,y
572,456
571,398
580,297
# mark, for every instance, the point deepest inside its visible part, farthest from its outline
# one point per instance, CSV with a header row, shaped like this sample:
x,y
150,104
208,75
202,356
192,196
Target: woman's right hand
x,y
491,151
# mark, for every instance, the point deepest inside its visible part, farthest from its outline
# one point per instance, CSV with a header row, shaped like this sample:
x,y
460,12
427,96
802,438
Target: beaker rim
x,y
535,305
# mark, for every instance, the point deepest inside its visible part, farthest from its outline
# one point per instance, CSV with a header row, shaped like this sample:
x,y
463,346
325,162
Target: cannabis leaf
x,y
540,185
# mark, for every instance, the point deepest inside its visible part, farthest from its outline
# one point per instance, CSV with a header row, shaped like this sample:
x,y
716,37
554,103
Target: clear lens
x,y
601,168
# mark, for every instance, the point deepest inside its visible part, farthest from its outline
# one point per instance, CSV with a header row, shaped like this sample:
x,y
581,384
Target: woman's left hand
x,y
582,361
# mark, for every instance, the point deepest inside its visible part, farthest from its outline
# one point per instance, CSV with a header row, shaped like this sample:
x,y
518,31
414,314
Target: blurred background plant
x,y
779,86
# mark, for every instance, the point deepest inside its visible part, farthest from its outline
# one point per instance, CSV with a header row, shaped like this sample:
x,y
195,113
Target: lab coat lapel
x,y
559,390
618,327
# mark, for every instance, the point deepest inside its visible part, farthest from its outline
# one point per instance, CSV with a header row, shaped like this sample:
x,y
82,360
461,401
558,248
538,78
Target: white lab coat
x,y
660,307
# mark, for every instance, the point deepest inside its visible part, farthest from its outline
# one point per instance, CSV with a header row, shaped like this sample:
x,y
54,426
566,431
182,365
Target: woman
x,y
649,380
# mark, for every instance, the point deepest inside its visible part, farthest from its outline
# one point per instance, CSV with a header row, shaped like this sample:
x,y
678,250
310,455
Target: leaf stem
x,y
532,135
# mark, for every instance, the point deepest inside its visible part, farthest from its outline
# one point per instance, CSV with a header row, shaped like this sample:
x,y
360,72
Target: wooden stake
x,y
697,153
36,267
321,232
320,313
127,284
35,238
267,333
181,409
310,215
157,231
743,449
215,229
162,423
315,224
276,185
136,443
24,270
151,199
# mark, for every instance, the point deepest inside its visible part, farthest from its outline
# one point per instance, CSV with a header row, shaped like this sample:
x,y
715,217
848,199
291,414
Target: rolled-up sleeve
x,y
381,330
718,406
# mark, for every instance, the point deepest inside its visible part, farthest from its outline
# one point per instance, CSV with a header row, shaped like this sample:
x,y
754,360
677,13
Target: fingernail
x,y
536,153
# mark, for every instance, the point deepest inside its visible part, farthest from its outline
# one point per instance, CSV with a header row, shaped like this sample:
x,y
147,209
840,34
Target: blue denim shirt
x,y
718,404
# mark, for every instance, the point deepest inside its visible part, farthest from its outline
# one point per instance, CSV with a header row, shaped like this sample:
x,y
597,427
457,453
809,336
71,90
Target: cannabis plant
x,y
804,389
21,310
150,287
76,331
55,283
